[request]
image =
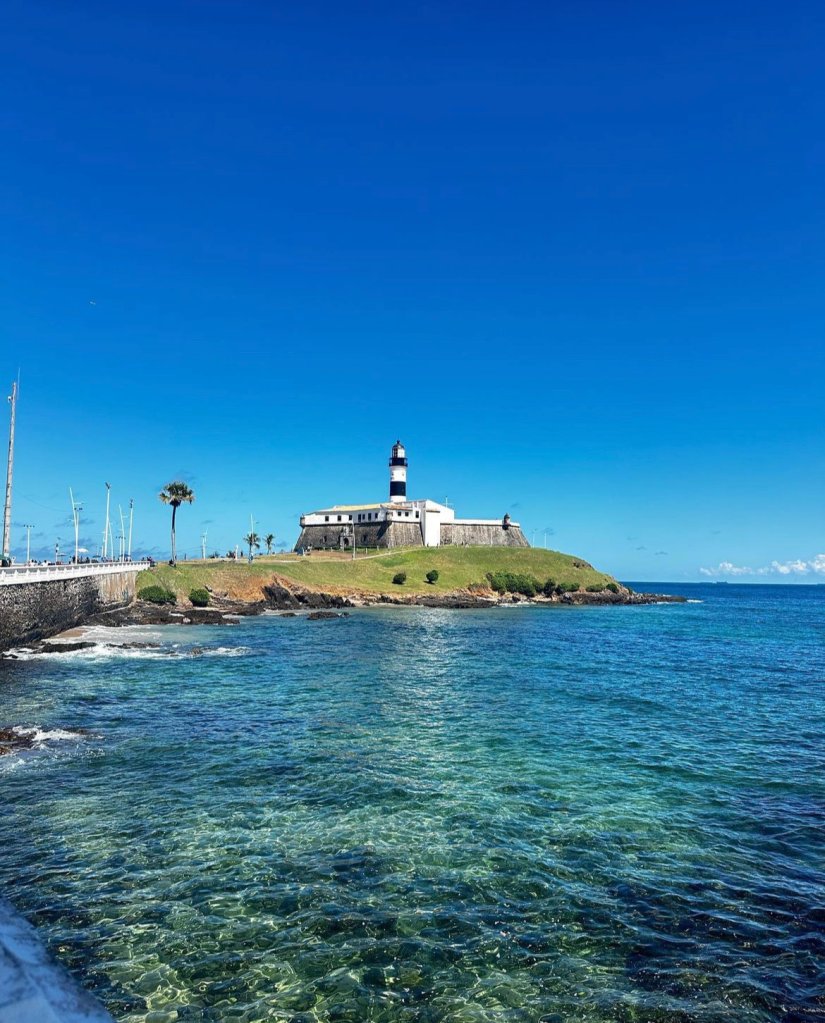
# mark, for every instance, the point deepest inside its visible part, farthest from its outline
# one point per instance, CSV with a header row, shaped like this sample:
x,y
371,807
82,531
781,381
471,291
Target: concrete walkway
x,y
33,988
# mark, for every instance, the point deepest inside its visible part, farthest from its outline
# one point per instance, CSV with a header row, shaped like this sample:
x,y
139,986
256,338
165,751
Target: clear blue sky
x,y
571,254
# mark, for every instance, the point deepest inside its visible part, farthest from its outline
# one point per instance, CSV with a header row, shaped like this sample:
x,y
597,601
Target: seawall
x,y
37,603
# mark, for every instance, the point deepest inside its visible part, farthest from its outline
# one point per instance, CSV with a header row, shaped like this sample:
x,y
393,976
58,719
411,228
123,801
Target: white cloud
x,y
797,567
727,568
777,568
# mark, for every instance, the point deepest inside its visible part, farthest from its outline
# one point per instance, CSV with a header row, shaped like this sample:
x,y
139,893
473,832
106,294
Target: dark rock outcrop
x,y
282,597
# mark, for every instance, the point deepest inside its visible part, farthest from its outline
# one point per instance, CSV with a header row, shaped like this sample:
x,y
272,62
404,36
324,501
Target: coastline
x,y
278,596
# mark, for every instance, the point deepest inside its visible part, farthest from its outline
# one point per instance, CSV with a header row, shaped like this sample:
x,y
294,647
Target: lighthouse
x,y
398,473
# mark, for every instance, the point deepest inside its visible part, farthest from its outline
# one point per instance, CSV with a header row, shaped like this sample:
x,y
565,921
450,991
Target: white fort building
x,y
399,522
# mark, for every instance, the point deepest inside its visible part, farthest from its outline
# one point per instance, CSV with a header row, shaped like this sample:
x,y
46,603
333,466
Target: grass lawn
x,y
458,567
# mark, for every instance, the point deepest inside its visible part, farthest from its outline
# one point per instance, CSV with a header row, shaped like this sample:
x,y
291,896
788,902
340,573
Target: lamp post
x,y
28,529
131,519
76,509
106,523
122,537
6,552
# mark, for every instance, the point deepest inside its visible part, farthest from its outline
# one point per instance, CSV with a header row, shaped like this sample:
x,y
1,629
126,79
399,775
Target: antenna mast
x,y
9,472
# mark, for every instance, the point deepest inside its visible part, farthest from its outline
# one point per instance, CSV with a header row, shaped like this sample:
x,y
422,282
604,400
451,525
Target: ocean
x,y
521,814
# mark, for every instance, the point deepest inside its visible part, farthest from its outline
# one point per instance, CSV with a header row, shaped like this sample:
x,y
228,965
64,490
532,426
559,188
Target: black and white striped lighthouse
x,y
398,473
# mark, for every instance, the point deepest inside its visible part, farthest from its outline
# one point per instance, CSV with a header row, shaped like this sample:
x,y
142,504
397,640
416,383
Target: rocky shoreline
x,y
285,597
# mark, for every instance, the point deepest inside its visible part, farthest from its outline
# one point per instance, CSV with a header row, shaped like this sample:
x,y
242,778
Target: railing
x,y
43,573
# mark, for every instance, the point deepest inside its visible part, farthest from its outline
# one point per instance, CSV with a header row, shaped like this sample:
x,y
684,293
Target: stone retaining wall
x,y
37,610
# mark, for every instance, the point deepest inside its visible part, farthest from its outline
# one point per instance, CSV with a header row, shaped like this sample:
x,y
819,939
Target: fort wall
x,y
458,534
332,536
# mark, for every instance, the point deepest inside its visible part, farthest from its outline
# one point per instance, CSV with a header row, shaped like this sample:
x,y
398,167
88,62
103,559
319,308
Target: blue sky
x,y
570,254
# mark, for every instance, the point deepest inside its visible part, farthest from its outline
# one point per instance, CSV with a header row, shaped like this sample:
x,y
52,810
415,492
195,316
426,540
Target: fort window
x,y
339,518
326,519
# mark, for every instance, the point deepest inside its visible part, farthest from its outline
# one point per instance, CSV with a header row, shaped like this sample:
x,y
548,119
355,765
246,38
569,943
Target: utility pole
x,y
122,534
106,523
28,529
76,509
131,519
203,544
6,552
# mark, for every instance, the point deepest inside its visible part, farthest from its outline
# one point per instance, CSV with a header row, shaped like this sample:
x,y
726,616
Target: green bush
x,y
613,587
567,587
199,597
595,588
399,578
432,575
549,588
156,595
513,582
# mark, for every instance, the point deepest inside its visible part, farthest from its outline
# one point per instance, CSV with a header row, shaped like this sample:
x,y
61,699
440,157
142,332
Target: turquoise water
x,y
422,815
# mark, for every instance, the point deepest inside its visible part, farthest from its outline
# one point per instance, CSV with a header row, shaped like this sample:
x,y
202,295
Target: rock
x,y
63,648
319,615
13,740
280,597
142,613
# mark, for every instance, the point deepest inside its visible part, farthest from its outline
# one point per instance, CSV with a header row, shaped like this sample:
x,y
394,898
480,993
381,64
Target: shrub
x,y
432,575
513,582
199,597
595,588
399,578
613,587
156,595
549,588
567,587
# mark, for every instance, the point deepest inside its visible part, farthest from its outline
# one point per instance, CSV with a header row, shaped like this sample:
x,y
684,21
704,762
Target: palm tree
x,y
252,540
269,540
176,493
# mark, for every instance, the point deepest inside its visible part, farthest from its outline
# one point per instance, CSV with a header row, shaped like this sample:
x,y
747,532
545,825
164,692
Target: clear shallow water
x,y
424,815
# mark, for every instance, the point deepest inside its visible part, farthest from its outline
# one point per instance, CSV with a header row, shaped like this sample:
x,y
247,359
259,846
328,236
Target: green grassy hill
x,y
458,568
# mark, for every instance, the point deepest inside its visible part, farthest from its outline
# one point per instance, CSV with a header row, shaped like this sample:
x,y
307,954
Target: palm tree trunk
x,y
174,552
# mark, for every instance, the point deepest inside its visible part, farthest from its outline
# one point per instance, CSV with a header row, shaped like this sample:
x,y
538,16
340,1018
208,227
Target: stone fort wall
x,y
367,534
477,535
407,534
36,610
